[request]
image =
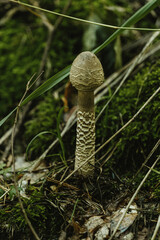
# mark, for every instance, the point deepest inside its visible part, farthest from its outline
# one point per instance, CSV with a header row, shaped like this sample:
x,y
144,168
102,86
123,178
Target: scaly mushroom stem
x,y
86,75
85,142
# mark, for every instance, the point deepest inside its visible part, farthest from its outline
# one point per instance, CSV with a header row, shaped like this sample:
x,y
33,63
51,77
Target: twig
x,y
13,159
148,157
65,184
133,197
51,30
9,15
5,136
41,15
156,229
4,1
4,193
111,153
9,132
137,43
4,188
19,122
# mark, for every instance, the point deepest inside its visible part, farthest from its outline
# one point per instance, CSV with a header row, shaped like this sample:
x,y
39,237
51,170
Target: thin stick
x,y
4,193
13,159
9,15
148,157
156,229
51,30
5,136
133,197
20,120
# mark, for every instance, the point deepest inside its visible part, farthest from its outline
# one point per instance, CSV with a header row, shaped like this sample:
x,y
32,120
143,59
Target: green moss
x,y
23,40
43,216
140,136
20,59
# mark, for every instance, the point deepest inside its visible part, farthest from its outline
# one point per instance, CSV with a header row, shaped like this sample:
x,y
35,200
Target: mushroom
x,y
86,75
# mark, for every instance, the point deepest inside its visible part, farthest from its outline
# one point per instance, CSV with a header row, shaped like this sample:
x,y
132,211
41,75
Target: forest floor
x,y
76,208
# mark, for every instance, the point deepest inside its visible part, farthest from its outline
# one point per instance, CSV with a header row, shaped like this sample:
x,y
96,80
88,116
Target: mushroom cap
x,y
86,72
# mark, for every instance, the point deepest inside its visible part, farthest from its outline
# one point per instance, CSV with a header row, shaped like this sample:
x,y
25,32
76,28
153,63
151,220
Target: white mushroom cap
x,y
86,72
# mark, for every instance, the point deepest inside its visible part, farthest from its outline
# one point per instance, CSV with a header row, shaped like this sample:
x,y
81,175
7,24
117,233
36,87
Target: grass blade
x,y
39,134
47,85
142,12
51,82
5,118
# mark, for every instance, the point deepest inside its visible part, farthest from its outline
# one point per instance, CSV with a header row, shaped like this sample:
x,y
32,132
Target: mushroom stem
x,y
85,141
86,75
86,101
